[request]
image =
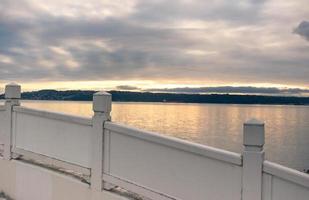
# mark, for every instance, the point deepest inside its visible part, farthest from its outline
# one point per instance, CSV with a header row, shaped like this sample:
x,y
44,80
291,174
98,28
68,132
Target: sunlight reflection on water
x,y
218,125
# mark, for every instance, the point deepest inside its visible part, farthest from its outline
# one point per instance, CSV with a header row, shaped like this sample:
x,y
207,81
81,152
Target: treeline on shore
x,y
86,95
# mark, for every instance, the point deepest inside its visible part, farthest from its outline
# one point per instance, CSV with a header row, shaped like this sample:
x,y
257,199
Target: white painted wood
x,y
2,121
12,91
7,127
1,150
211,152
254,133
286,190
286,173
56,138
12,96
54,115
172,171
97,152
2,124
102,102
106,164
101,106
267,187
149,164
146,192
253,157
106,151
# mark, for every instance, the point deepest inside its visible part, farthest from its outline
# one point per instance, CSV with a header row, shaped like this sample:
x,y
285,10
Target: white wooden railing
x,y
151,165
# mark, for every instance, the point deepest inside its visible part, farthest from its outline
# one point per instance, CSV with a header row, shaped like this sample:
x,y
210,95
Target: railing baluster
x,y
102,107
253,157
12,96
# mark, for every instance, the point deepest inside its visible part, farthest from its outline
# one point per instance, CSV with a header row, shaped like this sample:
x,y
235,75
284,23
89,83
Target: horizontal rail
x,y
176,143
1,149
136,188
50,161
2,108
286,173
54,115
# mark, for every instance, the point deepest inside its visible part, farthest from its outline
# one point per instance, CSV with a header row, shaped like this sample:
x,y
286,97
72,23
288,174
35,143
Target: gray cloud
x,y
303,29
234,43
127,87
232,11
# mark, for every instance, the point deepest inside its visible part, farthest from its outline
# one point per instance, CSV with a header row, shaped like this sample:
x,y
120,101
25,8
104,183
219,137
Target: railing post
x,y
253,157
102,102
12,96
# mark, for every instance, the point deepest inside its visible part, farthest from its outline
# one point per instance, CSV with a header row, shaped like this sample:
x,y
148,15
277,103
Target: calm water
x,y
287,127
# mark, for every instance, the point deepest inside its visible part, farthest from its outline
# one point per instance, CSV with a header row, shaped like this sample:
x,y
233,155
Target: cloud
x,y
235,90
127,87
303,29
217,42
232,11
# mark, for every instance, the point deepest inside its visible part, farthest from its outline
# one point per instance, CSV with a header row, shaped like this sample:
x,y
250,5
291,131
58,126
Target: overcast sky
x,y
154,43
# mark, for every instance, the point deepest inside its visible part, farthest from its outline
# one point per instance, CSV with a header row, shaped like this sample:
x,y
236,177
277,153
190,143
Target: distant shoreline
x,y
125,96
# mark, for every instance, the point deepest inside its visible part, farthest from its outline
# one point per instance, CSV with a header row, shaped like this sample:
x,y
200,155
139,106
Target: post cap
x,y
102,102
12,91
254,133
254,122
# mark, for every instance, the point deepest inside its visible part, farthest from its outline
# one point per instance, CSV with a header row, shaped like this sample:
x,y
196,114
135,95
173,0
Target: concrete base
x,y
23,181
